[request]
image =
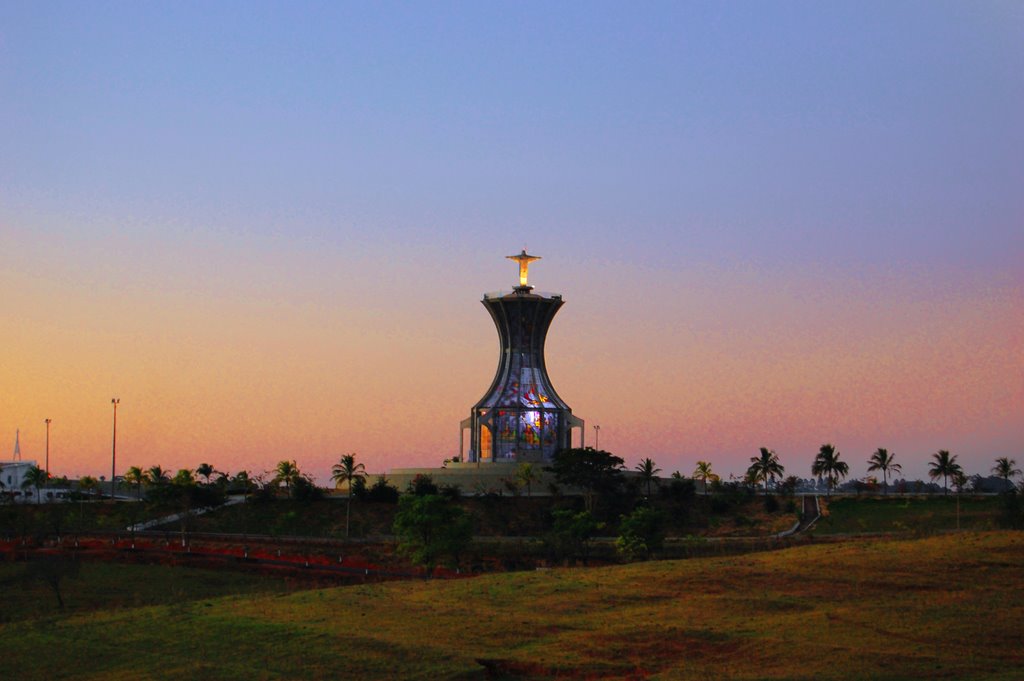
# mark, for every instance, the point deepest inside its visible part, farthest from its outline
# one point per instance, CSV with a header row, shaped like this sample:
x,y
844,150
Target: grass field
x,y
948,607
119,586
915,514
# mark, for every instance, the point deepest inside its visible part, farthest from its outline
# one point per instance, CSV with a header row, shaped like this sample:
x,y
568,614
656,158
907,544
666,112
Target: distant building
x,y
12,475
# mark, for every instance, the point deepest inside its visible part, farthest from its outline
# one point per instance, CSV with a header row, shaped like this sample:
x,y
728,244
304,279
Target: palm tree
x,y
827,463
184,478
883,461
648,472
346,470
286,472
242,481
765,467
135,476
34,477
87,483
205,470
704,473
1004,468
527,475
156,476
943,466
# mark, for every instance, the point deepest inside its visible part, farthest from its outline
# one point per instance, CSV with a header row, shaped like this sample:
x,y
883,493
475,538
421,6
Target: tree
x,y
431,528
286,472
526,474
570,534
640,533
592,470
382,491
766,467
704,473
241,482
348,471
1005,469
883,461
422,485
34,477
827,463
206,471
88,483
135,476
53,569
648,472
156,476
943,465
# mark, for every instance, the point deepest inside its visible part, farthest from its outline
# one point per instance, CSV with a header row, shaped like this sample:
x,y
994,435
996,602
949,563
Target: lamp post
x,y
113,451
597,437
48,449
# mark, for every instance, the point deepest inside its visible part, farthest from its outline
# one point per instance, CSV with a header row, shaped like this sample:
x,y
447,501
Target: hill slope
x,y
942,607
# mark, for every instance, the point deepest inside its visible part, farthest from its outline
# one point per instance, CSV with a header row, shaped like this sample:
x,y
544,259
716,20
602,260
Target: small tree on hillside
x,y
592,470
943,465
641,533
348,471
827,463
883,461
431,528
704,473
526,474
206,471
570,535
1006,469
135,476
286,472
648,472
765,468
35,477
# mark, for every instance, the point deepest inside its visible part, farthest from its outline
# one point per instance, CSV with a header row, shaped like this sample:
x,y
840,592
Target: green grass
x,y
117,586
913,514
949,606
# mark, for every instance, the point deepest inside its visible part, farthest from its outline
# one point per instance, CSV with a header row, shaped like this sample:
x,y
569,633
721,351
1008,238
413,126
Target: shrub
x,y
431,528
421,486
570,535
451,491
382,492
358,488
641,533
304,490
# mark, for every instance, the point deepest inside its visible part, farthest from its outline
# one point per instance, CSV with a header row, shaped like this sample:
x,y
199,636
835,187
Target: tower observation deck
x,y
521,417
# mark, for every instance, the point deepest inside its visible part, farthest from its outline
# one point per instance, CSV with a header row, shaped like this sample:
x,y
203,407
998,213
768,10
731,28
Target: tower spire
x,y
17,445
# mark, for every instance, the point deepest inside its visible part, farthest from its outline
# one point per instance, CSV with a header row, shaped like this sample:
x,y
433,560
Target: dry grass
x,y
942,607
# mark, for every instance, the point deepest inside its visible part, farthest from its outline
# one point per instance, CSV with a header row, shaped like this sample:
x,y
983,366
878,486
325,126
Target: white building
x,y
12,475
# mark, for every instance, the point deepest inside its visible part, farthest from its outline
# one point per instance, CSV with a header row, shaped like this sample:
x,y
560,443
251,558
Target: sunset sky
x,y
266,227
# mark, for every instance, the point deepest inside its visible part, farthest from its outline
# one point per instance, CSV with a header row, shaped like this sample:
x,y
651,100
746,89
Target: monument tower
x,y
521,417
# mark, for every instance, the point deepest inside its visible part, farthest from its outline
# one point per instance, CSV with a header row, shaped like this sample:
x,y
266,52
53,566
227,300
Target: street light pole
x,y
113,451
48,449
597,437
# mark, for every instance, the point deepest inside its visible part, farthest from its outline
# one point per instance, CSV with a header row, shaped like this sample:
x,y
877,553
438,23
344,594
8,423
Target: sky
x,y
266,227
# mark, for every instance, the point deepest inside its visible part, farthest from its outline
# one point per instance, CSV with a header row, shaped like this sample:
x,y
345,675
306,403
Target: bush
x,y
358,488
421,486
641,533
431,528
771,503
570,535
382,492
451,491
304,490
